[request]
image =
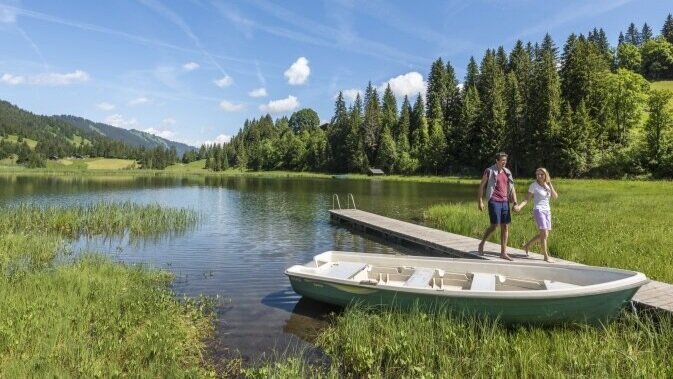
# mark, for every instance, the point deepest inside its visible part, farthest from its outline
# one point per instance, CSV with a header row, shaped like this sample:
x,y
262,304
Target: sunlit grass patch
x,y
110,164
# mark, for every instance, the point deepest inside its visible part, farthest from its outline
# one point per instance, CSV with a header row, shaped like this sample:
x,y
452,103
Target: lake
x,y
251,230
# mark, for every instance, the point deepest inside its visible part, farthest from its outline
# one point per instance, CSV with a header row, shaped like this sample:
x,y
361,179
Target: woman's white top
x,y
541,195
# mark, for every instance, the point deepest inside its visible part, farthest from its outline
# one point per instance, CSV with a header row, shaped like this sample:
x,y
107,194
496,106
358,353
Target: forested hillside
x,y
585,109
130,137
52,137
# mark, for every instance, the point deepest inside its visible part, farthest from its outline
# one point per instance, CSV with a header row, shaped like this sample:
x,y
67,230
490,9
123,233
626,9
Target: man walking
x,y
499,191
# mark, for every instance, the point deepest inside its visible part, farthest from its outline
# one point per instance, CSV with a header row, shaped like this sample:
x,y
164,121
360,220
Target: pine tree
x,y
501,59
402,140
387,156
371,123
667,29
646,33
465,137
357,159
389,112
337,133
581,69
620,40
436,87
632,35
436,153
546,103
472,74
419,132
515,137
451,108
491,126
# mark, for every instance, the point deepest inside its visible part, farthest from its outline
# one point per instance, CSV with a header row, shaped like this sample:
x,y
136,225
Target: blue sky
x,y
194,70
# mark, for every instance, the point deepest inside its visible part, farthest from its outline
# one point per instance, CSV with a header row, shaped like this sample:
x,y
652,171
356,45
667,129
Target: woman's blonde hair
x,y
546,174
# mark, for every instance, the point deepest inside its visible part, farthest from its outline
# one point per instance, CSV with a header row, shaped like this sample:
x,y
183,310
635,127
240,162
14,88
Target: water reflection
x,y
251,230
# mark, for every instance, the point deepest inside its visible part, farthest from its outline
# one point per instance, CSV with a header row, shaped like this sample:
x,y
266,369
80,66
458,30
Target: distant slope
x,y
131,137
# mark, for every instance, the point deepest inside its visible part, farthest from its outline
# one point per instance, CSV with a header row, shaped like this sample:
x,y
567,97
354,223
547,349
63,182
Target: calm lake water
x,y
252,229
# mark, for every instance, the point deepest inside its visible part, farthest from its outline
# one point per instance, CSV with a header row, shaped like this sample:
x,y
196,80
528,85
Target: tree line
x,y
585,110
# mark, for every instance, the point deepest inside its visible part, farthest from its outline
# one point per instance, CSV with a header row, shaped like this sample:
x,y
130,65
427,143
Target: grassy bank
x,y
622,224
414,344
93,317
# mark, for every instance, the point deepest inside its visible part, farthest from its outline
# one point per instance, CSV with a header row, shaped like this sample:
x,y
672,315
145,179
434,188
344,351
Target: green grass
x,y
196,166
92,317
109,164
623,224
15,139
664,84
387,344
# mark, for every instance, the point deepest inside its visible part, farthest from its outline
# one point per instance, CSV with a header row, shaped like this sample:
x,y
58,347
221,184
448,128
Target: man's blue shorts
x,y
498,212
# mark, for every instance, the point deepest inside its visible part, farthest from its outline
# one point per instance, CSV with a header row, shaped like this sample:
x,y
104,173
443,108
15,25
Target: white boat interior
x,y
467,275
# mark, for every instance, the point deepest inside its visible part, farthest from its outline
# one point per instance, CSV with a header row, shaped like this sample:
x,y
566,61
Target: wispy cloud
x,y
182,25
220,139
12,80
224,81
571,13
105,106
230,107
9,13
298,72
120,121
259,92
316,33
290,103
46,79
142,100
168,121
167,134
191,66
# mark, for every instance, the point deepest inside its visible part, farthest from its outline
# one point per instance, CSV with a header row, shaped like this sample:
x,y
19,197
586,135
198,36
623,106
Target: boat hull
x,y
591,308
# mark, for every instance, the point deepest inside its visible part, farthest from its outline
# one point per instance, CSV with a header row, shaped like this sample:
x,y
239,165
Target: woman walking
x,y
541,190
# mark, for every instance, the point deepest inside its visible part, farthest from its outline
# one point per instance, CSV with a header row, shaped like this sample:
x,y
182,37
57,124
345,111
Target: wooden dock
x,y
656,295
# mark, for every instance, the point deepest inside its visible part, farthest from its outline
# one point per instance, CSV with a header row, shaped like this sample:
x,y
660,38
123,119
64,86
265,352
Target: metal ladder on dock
x,y
349,198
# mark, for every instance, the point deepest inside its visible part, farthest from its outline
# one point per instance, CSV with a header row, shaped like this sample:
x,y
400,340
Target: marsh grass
x,y
106,219
603,223
439,344
92,317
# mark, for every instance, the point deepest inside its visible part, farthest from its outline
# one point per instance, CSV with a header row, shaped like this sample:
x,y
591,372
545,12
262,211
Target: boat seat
x,y
551,285
341,270
420,278
482,282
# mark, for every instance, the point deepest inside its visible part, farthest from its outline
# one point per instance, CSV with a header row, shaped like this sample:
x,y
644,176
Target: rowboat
x,y
513,292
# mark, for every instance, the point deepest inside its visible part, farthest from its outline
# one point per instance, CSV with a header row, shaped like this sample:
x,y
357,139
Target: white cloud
x,y
460,86
230,107
120,122
47,79
12,79
410,84
139,101
161,133
259,92
220,139
190,66
105,106
350,94
224,81
278,106
168,121
56,79
298,72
